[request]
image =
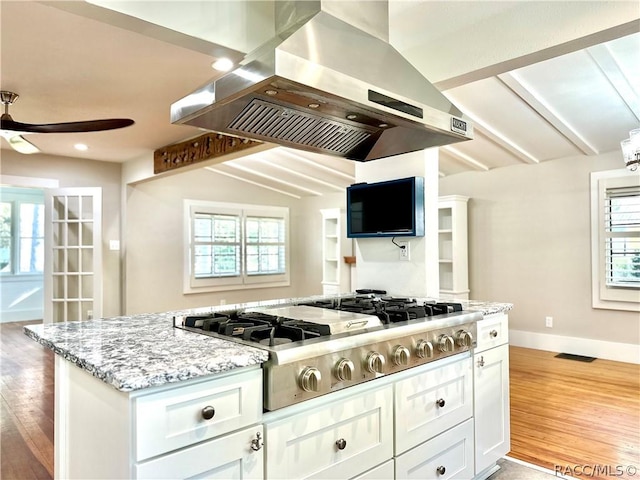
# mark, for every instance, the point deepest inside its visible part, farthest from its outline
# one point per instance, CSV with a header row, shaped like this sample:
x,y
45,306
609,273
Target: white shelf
x,y
452,246
335,274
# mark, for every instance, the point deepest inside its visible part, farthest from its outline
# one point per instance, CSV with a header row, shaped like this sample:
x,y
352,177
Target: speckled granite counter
x,y
141,351
131,353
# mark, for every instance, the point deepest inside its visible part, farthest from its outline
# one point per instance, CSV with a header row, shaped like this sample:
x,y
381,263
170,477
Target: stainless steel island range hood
x,y
328,82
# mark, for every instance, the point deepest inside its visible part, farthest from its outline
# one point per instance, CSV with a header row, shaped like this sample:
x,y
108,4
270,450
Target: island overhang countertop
x,y
141,351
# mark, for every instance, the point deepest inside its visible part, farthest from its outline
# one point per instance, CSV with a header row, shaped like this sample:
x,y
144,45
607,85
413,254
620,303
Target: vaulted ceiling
x,y
575,95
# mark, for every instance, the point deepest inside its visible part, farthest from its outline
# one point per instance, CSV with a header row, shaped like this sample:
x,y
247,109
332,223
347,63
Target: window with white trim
x,y
230,246
21,231
615,222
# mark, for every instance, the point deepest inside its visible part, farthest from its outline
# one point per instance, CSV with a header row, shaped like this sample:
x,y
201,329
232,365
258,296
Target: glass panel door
x,y
73,268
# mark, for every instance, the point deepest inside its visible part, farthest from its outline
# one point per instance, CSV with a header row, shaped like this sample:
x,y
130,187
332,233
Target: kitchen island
x,y
127,389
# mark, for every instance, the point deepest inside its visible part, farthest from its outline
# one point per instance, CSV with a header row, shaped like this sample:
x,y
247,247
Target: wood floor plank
x,y
573,414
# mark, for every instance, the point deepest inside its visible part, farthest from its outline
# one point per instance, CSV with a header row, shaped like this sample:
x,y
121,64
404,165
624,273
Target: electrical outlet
x,y
548,321
405,254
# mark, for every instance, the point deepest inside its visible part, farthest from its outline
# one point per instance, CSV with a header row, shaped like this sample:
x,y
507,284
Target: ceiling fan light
x,y
19,144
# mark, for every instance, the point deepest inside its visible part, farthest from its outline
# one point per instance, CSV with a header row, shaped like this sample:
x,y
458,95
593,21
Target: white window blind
x,y
622,237
230,246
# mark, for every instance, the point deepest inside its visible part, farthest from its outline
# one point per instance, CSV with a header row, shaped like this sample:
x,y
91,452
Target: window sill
x,y
226,288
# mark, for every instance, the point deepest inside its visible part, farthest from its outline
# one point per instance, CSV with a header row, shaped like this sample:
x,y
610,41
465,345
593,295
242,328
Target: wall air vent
x,y
272,121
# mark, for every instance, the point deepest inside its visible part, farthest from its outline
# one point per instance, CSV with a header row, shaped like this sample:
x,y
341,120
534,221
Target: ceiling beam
x,y
251,182
307,177
271,178
464,158
607,63
496,137
546,112
339,173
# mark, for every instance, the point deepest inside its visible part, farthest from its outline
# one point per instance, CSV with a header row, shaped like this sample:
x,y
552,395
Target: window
x,y
21,231
230,246
615,223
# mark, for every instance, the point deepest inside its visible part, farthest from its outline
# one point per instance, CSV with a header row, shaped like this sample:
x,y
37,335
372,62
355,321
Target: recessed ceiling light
x,y
81,146
222,64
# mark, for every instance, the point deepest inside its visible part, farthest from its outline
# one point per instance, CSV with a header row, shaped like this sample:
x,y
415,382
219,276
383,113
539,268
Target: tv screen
x,y
394,208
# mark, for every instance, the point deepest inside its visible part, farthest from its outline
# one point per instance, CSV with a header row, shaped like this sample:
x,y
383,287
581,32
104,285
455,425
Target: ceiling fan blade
x,y
68,127
19,144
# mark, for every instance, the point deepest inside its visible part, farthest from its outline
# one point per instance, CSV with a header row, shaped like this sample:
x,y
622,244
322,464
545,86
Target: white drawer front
x,y
305,445
431,402
449,455
174,419
229,457
492,331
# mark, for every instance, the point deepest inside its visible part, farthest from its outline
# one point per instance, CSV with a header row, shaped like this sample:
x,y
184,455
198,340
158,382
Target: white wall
x,y
74,172
154,240
378,259
529,244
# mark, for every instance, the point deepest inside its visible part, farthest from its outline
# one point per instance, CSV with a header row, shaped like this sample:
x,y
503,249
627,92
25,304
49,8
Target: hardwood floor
x,y
563,412
568,413
26,406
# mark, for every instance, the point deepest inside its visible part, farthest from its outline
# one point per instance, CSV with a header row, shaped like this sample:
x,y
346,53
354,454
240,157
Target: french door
x,y
73,257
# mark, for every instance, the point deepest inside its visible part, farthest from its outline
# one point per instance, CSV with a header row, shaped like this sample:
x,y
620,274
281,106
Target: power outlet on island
x,y
405,253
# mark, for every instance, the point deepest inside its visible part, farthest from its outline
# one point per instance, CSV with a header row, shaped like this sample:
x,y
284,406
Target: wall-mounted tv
x,y
394,208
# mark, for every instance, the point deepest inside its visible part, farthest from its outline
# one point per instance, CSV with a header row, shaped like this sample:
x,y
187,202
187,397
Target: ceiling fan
x,y
13,131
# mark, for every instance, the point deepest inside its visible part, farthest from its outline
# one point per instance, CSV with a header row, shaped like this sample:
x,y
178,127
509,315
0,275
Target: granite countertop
x,y
140,351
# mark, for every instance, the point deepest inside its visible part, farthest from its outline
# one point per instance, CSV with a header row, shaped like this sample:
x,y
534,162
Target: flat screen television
x,y
394,208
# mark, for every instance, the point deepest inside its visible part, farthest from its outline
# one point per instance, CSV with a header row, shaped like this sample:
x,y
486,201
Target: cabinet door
x,y
447,456
225,458
428,403
341,439
492,429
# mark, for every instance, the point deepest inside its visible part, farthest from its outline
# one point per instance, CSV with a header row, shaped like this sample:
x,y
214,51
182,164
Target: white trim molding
x,y
619,352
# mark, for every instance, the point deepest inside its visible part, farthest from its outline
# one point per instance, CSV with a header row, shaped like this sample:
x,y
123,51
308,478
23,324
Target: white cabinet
x,y
161,432
452,247
432,401
340,439
222,458
447,456
336,275
491,393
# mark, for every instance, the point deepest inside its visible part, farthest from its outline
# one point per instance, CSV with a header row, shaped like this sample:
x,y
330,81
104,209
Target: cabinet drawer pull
x,y
441,470
341,444
481,362
257,443
493,333
208,412
440,402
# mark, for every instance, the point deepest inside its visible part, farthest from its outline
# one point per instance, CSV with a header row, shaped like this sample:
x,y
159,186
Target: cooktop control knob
x,y
375,362
344,370
310,379
424,349
401,355
445,343
464,338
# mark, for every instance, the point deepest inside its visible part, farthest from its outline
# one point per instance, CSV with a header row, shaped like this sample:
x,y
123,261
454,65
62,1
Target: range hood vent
x,y
324,85
267,120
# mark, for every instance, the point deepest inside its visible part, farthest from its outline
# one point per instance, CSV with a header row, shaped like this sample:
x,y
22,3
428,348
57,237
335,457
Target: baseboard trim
x,y
21,315
619,352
